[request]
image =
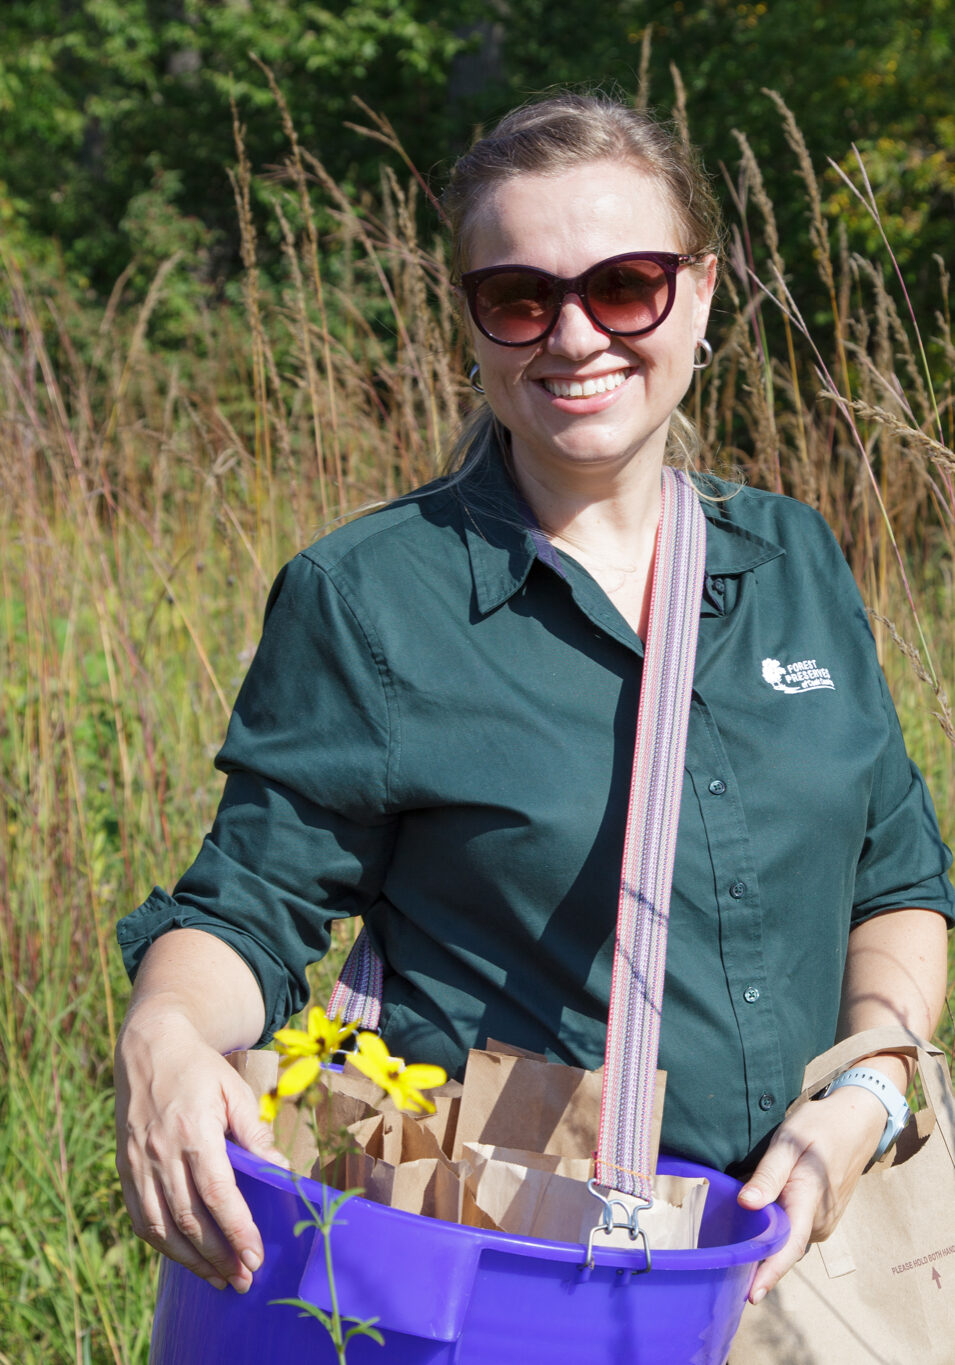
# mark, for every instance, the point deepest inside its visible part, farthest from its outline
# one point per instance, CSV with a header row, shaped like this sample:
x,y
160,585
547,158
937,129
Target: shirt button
x,y
738,890
751,995
717,787
766,1100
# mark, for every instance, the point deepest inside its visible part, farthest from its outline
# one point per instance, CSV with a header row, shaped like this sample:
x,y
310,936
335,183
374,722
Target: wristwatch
x,y
896,1107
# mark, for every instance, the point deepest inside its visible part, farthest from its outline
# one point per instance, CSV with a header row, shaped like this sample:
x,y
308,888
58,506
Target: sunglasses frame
x,y
668,261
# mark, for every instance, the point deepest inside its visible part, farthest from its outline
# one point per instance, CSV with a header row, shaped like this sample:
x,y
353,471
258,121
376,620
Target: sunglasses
x,y
627,296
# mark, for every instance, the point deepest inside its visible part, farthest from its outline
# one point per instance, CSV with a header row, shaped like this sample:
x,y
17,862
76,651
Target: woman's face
x,y
564,224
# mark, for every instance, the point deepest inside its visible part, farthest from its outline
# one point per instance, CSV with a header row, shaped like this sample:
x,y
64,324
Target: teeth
x,y
575,388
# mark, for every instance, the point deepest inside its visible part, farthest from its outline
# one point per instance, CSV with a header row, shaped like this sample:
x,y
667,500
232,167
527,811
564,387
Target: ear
x,y
705,285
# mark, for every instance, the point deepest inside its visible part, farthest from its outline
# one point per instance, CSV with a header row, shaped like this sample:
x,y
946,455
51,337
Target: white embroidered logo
x,y
803,676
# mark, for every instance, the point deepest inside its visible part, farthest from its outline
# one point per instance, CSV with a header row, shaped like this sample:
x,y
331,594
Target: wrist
x,y
893,1109
156,1021
896,1067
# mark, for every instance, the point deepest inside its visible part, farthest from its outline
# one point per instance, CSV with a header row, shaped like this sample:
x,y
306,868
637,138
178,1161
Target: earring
x,y
474,378
707,350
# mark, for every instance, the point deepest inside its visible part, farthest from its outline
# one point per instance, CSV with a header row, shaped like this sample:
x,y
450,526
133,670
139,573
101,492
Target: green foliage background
x,y
115,127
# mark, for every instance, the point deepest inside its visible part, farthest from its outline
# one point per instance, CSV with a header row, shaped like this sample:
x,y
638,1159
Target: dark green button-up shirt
x,y
437,733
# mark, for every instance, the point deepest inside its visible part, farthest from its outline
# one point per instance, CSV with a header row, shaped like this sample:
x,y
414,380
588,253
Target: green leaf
x,y
363,1328
307,1310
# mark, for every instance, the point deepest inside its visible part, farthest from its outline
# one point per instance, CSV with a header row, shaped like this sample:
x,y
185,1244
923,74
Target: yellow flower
x,y
403,1083
322,1039
295,1076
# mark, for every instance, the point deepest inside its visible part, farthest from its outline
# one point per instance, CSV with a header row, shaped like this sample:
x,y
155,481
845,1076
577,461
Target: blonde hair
x,y
549,137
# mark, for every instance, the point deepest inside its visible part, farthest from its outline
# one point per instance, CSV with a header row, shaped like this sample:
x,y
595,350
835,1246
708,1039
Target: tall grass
x,y
146,501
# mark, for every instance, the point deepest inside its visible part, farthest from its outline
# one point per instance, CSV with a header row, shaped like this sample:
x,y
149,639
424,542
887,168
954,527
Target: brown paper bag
x,y
516,1101
881,1289
396,1160
533,1195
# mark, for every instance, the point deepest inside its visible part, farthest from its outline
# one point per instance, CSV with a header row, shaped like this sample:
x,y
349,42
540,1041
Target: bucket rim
x,y
770,1238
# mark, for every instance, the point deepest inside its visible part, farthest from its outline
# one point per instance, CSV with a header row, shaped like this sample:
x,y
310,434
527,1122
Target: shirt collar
x,y
503,539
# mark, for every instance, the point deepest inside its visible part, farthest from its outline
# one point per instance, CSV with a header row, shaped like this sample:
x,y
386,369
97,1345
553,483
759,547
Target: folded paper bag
x,y
546,1196
396,1160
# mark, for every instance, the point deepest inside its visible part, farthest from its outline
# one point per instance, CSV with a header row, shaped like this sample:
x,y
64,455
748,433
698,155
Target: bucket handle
x,y
606,1223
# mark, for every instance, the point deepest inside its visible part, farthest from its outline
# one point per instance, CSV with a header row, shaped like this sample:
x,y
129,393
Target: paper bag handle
x,y
930,1060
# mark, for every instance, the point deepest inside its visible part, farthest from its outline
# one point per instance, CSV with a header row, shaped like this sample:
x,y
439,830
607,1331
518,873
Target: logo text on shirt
x,y
803,676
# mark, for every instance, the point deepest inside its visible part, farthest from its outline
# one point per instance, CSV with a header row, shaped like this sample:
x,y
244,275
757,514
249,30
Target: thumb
x,y
769,1178
246,1125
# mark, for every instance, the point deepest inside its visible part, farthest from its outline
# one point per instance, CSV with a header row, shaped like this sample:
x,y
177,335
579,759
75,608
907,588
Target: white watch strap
x,y
895,1103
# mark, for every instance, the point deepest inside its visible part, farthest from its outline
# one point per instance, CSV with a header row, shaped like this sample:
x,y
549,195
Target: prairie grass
x,y
147,499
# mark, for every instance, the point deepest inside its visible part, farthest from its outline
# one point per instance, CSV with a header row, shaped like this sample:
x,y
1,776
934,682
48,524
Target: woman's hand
x,y
896,973
177,1098
811,1167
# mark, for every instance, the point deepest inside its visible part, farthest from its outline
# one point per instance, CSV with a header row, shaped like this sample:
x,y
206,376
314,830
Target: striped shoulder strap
x,y
636,991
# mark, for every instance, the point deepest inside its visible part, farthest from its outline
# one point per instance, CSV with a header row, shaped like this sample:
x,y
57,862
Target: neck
x,y
608,520
608,525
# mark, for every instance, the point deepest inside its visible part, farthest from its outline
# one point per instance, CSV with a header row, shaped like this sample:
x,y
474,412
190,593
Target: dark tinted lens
x,y
629,295
515,305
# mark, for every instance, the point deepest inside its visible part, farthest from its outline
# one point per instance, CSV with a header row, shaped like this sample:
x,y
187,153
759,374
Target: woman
x,y
436,733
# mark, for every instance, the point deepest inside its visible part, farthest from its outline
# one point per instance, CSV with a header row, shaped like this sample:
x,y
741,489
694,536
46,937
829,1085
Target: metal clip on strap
x,y
608,1223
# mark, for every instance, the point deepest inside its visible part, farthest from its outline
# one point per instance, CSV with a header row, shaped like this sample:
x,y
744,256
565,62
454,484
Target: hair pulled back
x,y
554,135
567,130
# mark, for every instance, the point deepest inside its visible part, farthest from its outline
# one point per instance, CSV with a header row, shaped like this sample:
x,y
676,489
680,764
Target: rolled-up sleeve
x,y
304,833
903,860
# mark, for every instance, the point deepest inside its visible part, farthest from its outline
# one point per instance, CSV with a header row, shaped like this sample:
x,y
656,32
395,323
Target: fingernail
x,y
217,1283
758,1296
251,1260
240,1286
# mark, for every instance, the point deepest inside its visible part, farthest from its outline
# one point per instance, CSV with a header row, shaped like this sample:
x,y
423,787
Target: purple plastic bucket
x,y
449,1295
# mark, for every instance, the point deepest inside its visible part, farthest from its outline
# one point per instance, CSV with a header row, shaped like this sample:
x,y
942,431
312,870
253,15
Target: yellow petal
x,y
406,1097
295,1042
424,1077
372,1047
372,1068
343,1030
298,1076
318,1022
268,1106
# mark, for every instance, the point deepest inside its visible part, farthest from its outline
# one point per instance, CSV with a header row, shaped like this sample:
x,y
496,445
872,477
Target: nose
x,y
575,335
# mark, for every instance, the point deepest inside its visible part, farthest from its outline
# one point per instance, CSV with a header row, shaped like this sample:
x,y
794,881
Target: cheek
x,y
501,368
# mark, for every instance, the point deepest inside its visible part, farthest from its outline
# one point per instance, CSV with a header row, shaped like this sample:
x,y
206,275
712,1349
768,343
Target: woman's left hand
x,y
811,1167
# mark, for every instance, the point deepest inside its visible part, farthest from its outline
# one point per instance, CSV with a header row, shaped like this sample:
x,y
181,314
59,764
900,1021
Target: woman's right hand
x,y
176,1099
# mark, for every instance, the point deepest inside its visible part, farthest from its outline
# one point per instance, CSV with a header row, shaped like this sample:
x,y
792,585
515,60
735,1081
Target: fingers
x,y
183,1200
246,1127
787,1174
772,1270
800,1209
174,1108
166,1226
811,1168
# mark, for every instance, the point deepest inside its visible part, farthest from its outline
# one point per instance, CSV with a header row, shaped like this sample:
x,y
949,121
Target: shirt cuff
x,y
160,912
934,894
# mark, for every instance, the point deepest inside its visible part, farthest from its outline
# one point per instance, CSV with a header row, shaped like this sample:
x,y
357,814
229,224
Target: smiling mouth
x,y
585,388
